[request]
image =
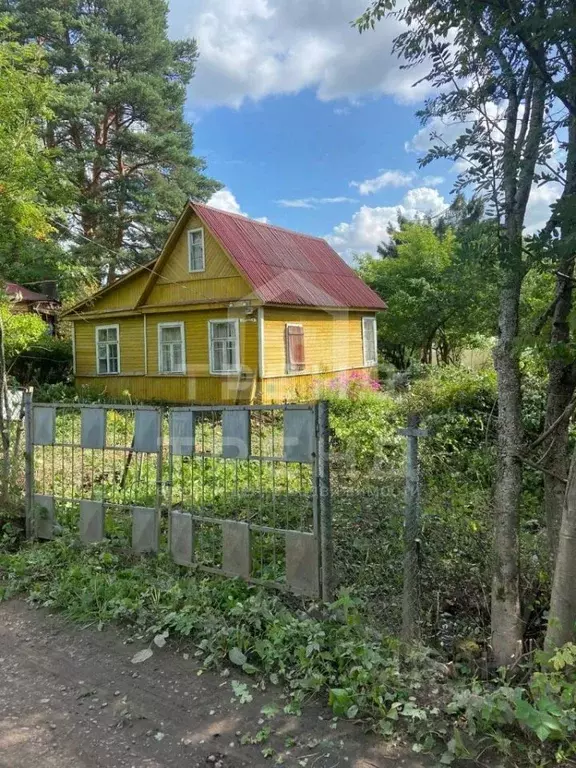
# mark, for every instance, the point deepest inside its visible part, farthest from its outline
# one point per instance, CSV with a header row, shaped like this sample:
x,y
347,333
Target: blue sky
x,y
307,123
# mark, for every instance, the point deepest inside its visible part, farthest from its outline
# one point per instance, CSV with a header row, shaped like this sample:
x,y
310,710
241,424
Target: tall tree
x,y
27,179
500,97
27,174
119,126
440,287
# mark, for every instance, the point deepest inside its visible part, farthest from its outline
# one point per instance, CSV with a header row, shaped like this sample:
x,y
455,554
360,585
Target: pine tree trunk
x,y
562,615
505,613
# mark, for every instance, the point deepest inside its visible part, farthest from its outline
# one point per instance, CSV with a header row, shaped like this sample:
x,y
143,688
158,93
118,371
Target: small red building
x,y
24,300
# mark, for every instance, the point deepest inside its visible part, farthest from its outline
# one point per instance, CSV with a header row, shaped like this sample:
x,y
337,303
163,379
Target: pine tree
x,y
119,127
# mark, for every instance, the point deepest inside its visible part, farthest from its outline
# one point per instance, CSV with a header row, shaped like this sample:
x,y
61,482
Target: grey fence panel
x,y
182,432
44,516
299,435
144,529
91,521
93,425
236,434
181,537
146,431
236,549
302,563
44,419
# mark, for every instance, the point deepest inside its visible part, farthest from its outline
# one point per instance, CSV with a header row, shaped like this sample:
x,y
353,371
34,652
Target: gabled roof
x,y
285,267
21,293
281,266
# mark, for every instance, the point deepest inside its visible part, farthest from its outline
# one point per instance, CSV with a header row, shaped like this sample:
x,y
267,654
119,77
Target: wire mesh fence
x,y
243,491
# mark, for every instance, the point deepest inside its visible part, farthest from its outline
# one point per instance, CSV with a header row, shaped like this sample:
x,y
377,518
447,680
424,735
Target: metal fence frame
x,y
312,579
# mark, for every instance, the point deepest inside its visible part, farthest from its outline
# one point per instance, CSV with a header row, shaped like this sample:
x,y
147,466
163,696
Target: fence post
x,y
28,464
411,583
325,507
159,477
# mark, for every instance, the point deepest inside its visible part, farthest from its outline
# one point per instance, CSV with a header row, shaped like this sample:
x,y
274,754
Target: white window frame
x,y
367,360
179,325
190,233
289,363
115,327
236,323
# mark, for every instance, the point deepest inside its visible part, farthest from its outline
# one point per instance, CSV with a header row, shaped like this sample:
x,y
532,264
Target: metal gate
x,y
235,490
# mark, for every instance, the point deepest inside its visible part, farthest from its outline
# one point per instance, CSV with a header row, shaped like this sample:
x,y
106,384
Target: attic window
x,y
295,358
196,260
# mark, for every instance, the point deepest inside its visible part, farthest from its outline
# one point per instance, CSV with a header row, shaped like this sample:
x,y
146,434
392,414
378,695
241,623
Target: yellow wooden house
x,y
232,311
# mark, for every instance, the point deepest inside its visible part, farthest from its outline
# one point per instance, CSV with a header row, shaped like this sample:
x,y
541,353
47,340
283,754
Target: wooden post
x,y
411,585
29,464
324,504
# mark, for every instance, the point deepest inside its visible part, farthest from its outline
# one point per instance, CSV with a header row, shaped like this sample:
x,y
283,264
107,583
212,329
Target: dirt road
x,y
72,698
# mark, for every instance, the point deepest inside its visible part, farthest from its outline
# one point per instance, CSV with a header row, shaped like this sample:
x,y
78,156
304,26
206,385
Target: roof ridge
x,y
261,223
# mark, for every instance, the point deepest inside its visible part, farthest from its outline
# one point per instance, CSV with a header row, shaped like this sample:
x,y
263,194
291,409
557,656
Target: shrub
x,y
21,330
46,362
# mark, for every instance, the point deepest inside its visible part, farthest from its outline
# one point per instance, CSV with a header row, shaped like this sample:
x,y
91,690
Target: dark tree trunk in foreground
x,y
562,615
561,368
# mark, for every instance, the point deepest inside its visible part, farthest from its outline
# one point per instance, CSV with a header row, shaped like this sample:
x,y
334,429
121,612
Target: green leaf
x,y
237,657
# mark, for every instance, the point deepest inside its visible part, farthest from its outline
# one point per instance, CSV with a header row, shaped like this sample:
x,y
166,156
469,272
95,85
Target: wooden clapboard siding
x,y
228,288
220,279
131,345
332,340
281,389
124,296
196,335
198,385
178,389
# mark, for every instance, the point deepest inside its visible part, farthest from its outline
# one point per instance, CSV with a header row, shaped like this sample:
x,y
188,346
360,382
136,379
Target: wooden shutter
x,y
295,347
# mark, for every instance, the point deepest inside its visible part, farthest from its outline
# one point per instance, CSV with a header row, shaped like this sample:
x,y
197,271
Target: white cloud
x,y
368,226
313,202
226,201
250,49
433,181
385,179
538,210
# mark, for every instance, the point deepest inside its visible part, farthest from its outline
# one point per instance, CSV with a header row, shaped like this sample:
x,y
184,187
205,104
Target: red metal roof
x,y
285,267
24,294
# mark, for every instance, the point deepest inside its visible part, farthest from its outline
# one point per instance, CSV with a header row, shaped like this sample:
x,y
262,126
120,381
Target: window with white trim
x,y
224,346
369,340
196,260
107,349
171,348
295,358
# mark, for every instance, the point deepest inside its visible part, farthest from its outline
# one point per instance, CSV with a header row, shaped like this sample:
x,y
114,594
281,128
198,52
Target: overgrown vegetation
x,y
360,673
